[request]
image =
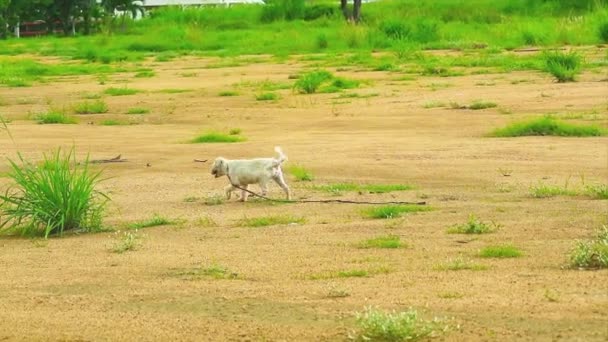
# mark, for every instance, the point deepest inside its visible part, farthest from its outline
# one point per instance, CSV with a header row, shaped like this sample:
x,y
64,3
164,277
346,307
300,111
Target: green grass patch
x,y
563,66
138,110
215,137
591,254
95,107
126,241
376,325
473,226
173,91
215,200
56,196
310,82
353,273
393,211
390,241
214,271
460,264
55,116
545,190
599,191
155,221
121,91
477,105
265,221
548,126
228,93
502,251
267,97
145,74
371,188
301,173
112,122
434,104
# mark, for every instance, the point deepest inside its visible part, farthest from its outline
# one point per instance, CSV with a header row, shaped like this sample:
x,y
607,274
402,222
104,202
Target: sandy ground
x,y
76,288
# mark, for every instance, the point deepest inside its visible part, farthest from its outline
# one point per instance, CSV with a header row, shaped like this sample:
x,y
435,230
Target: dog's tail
x,y
282,156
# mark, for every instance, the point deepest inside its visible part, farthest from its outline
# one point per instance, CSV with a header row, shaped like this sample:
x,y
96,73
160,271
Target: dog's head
x,y
220,167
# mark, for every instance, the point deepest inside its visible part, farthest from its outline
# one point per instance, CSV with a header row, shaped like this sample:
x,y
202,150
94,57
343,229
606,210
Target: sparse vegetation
x,y
353,273
599,191
265,221
56,196
215,137
228,93
393,211
460,264
390,241
548,126
235,131
267,97
214,271
138,110
545,190
120,91
376,325
591,254
563,66
473,226
55,116
371,188
155,221
310,82
113,122
215,200
301,173
482,105
502,251
96,107
145,74
434,104
126,241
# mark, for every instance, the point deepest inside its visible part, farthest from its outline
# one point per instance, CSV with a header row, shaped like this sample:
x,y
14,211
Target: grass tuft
x,y
599,191
228,93
120,91
548,126
155,221
502,251
591,254
393,211
126,241
460,264
87,107
301,173
390,241
56,196
214,271
215,137
482,105
55,116
563,66
376,325
267,97
310,82
371,188
138,110
473,226
265,221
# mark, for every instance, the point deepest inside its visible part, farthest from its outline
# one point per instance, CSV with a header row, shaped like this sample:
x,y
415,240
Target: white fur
x,y
242,172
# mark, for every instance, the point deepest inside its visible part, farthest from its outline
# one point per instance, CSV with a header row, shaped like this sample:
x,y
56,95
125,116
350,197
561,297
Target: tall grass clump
x,y
57,195
54,116
376,325
215,137
547,125
310,82
591,254
563,66
96,107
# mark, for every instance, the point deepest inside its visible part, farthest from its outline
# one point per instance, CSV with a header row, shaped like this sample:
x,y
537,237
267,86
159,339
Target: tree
x,y
355,16
86,9
132,7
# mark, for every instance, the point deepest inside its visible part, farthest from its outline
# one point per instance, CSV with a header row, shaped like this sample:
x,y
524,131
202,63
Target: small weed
x,y
145,74
265,221
460,264
173,91
90,96
473,226
214,137
55,116
191,199
551,296
188,74
205,222
267,97
228,93
155,221
126,241
481,105
393,211
214,271
234,131
390,241
434,104
138,110
376,325
354,273
301,173
215,200
502,251
548,126
120,91
505,172
112,122
87,107
591,254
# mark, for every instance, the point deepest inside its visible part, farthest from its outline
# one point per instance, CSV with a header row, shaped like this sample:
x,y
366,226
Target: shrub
x,y
87,107
393,211
395,29
473,226
591,254
57,196
310,82
214,137
375,325
503,251
548,126
563,66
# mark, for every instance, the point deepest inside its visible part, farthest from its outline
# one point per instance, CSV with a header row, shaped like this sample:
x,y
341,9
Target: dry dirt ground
x,y
282,281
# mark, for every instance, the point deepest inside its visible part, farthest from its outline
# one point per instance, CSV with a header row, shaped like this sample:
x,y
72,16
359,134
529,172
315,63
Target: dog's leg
x,y
244,193
281,182
264,187
228,190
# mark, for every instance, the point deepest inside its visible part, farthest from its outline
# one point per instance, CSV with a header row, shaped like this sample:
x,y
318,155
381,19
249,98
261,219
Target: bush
x,y
56,196
563,66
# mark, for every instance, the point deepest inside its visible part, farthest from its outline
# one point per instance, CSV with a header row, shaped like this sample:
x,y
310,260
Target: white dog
x,y
242,172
